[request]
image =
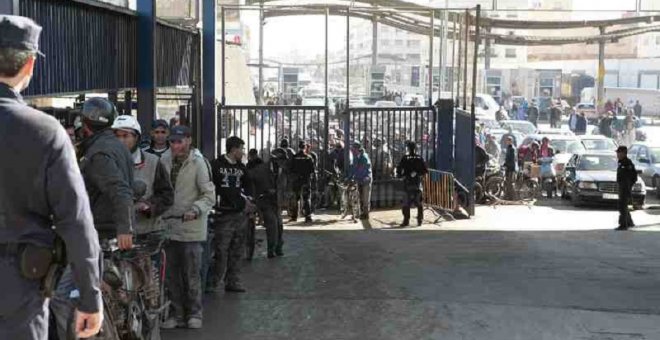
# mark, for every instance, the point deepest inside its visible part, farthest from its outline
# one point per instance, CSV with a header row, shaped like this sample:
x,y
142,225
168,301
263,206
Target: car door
x,y
643,164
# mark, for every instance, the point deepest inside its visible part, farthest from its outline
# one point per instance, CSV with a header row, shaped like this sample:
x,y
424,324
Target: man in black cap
x,y
160,131
626,177
412,168
302,169
42,189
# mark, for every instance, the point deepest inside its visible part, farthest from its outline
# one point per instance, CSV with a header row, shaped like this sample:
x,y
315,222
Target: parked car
x,y
555,132
598,143
591,178
385,103
521,126
646,157
485,106
589,111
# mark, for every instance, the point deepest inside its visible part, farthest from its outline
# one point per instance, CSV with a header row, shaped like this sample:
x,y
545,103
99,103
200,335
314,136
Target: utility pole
x,y
600,81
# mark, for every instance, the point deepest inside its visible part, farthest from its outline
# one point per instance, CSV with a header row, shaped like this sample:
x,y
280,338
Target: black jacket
x,y
41,187
510,161
533,114
408,165
231,184
262,178
626,174
107,168
302,166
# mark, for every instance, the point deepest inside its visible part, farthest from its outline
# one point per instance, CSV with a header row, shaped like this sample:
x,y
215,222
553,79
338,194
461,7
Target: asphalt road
x,y
548,271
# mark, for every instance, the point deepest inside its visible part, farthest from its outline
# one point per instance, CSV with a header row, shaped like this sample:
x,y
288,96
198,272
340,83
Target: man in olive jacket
x,y
185,222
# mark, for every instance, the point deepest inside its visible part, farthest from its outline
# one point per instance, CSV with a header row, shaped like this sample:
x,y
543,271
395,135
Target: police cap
x,y
19,33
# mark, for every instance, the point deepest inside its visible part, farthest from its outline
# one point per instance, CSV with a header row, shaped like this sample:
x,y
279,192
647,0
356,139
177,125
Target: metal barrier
x,y
383,132
439,190
262,127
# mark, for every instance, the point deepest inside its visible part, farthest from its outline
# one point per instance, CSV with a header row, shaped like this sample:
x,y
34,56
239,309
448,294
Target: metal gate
x,y
263,127
383,132
464,155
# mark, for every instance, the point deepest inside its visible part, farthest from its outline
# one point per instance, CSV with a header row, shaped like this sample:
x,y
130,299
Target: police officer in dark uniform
x,y
42,195
412,168
302,168
107,168
626,177
263,183
315,176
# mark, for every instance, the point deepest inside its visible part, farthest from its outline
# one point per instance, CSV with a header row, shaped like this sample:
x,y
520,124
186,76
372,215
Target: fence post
x,y
445,143
146,75
209,110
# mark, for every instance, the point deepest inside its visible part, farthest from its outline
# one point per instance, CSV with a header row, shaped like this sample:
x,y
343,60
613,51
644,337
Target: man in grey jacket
x,y
186,224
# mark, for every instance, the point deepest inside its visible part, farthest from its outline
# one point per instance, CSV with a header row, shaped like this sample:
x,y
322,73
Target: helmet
x,y
127,123
99,111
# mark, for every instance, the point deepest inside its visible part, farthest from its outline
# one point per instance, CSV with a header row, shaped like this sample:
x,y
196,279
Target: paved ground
x,y
545,272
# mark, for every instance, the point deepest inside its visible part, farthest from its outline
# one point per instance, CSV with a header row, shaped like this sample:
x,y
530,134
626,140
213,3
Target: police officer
x,y
302,168
42,187
285,177
315,176
626,177
107,169
412,168
263,182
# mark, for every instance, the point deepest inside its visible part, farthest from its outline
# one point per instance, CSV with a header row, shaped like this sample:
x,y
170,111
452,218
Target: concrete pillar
x,y
146,56
261,54
374,43
209,110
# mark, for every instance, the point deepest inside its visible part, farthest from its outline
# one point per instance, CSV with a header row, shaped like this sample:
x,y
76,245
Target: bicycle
x,y
350,202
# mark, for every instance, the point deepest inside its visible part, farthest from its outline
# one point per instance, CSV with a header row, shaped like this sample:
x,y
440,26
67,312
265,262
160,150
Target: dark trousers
x,y
509,188
184,281
625,220
273,224
412,198
301,191
23,311
229,245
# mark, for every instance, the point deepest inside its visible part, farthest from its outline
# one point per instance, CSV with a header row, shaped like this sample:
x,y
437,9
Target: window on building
x,y
413,43
510,53
398,42
512,15
413,57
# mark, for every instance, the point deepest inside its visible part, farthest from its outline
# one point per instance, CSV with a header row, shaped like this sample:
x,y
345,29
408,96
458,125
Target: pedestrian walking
x,y
580,124
186,224
40,188
626,177
233,206
630,130
511,169
605,125
302,170
412,168
533,113
360,171
638,109
263,181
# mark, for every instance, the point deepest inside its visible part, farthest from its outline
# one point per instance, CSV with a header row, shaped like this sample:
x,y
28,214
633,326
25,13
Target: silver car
x,y
646,157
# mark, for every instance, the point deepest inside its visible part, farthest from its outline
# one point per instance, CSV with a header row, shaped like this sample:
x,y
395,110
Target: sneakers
x,y
419,222
308,219
404,224
195,323
173,323
620,228
271,254
235,288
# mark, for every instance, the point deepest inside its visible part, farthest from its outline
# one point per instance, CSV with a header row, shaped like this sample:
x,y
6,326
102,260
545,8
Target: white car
x,y
555,132
385,103
598,143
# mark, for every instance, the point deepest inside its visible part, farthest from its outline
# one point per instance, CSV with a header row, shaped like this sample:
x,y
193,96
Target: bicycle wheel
x,y
529,190
495,186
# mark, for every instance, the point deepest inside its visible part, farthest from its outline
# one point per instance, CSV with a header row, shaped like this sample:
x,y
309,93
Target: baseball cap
x,y
160,123
179,132
20,33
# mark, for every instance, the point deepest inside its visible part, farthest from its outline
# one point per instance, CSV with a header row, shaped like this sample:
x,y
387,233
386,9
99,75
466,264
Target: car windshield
x,y
525,128
568,146
599,144
598,163
655,155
